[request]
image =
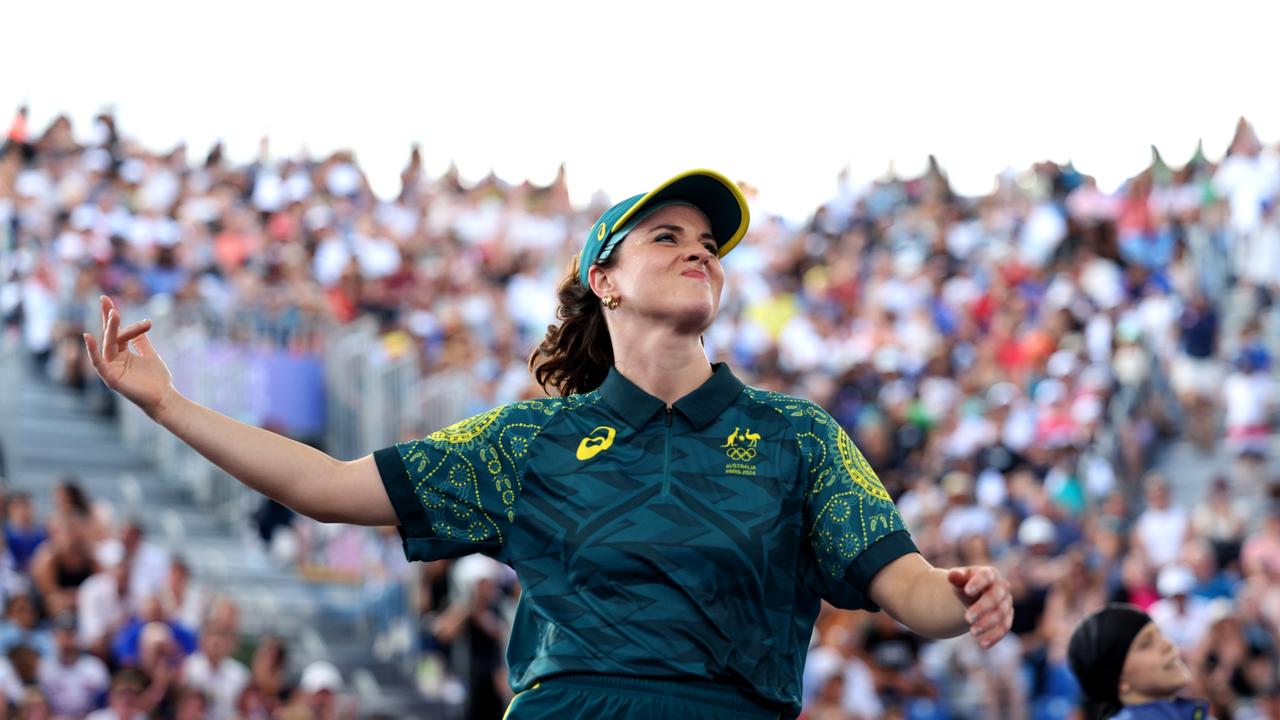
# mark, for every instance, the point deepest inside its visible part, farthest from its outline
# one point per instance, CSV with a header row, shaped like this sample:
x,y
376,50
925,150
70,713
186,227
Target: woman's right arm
x,y
295,475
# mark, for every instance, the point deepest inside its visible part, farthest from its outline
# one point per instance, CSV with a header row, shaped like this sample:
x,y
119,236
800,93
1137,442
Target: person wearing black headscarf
x,y
1129,669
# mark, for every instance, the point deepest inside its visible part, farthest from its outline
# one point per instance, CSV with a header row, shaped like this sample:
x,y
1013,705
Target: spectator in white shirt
x,y
183,603
72,680
148,563
103,602
214,671
1162,527
1248,395
11,690
963,518
838,655
1182,616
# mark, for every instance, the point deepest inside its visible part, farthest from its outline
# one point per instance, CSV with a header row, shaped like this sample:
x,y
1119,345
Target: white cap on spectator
x,y
317,216
473,568
96,159
1037,530
1086,409
1061,364
1002,394
1096,377
1128,329
991,488
83,217
109,553
320,675
133,170
1175,579
907,262
887,360
1050,391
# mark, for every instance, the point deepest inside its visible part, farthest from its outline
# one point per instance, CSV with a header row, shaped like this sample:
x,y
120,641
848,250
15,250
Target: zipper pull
x,y
668,417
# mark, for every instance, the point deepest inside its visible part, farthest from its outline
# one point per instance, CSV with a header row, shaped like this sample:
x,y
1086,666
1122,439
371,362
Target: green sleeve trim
x,y
420,542
873,559
434,548
413,519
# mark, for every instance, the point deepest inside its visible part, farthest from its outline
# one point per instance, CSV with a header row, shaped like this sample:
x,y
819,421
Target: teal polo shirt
x,y
694,541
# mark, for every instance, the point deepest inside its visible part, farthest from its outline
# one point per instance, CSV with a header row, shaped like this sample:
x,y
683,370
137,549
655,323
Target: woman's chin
x,y
694,319
1178,674
1183,671
688,315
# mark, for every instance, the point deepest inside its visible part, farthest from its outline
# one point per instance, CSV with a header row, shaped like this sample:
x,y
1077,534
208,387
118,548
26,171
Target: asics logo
x,y
594,444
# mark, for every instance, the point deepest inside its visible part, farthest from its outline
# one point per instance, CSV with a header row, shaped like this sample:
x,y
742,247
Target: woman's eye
x,y
711,247
665,236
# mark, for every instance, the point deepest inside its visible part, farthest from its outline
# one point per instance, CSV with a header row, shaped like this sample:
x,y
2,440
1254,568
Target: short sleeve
x,y
455,490
853,525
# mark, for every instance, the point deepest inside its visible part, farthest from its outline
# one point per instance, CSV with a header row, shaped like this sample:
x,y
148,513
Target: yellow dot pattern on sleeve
x,y
464,431
467,475
849,506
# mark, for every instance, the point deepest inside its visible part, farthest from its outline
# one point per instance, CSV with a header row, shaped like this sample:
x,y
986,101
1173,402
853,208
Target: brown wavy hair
x,y
574,356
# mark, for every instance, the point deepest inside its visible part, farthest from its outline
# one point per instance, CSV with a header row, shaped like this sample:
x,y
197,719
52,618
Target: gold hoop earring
x,y
612,302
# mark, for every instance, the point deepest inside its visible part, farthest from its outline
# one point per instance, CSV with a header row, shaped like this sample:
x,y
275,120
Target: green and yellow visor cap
x,y
714,194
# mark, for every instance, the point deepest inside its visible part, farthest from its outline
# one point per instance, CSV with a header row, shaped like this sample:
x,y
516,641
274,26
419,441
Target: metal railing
x,y
226,364
370,399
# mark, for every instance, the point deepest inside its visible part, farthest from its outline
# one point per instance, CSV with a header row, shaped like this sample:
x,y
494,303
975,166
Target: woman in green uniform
x,y
674,531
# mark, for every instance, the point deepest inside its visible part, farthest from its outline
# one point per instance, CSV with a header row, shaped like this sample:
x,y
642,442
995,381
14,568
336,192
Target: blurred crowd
x,y
101,623
1010,364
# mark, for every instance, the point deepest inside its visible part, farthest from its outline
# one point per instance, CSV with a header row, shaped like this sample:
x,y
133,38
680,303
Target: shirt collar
x,y
632,404
701,407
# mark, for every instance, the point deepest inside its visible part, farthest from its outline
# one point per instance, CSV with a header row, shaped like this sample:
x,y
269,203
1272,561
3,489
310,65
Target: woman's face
x,y
1153,668
667,269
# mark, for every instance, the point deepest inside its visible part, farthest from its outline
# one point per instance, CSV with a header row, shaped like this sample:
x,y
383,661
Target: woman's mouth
x,y
696,274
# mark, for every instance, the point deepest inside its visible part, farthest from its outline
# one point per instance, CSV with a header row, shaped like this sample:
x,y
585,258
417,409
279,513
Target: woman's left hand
x,y
988,604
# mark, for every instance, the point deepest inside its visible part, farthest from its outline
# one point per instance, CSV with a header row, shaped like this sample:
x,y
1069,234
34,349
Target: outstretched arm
x,y
296,475
940,603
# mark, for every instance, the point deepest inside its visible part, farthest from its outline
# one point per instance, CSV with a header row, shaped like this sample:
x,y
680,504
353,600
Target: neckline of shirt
x,y
700,407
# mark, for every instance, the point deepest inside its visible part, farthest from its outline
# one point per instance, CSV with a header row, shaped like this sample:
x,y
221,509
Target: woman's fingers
x,y
1001,622
110,338
979,581
988,602
95,357
992,624
990,611
115,339
131,332
106,305
92,346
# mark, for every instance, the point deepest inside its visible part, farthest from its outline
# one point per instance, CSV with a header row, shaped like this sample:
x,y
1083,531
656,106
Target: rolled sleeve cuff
x,y
413,519
420,541
874,559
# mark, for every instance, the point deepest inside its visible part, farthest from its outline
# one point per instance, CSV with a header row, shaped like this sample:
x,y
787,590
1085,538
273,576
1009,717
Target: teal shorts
x,y
597,697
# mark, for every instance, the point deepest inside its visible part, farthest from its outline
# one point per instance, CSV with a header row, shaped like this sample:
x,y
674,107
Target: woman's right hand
x,y
142,377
